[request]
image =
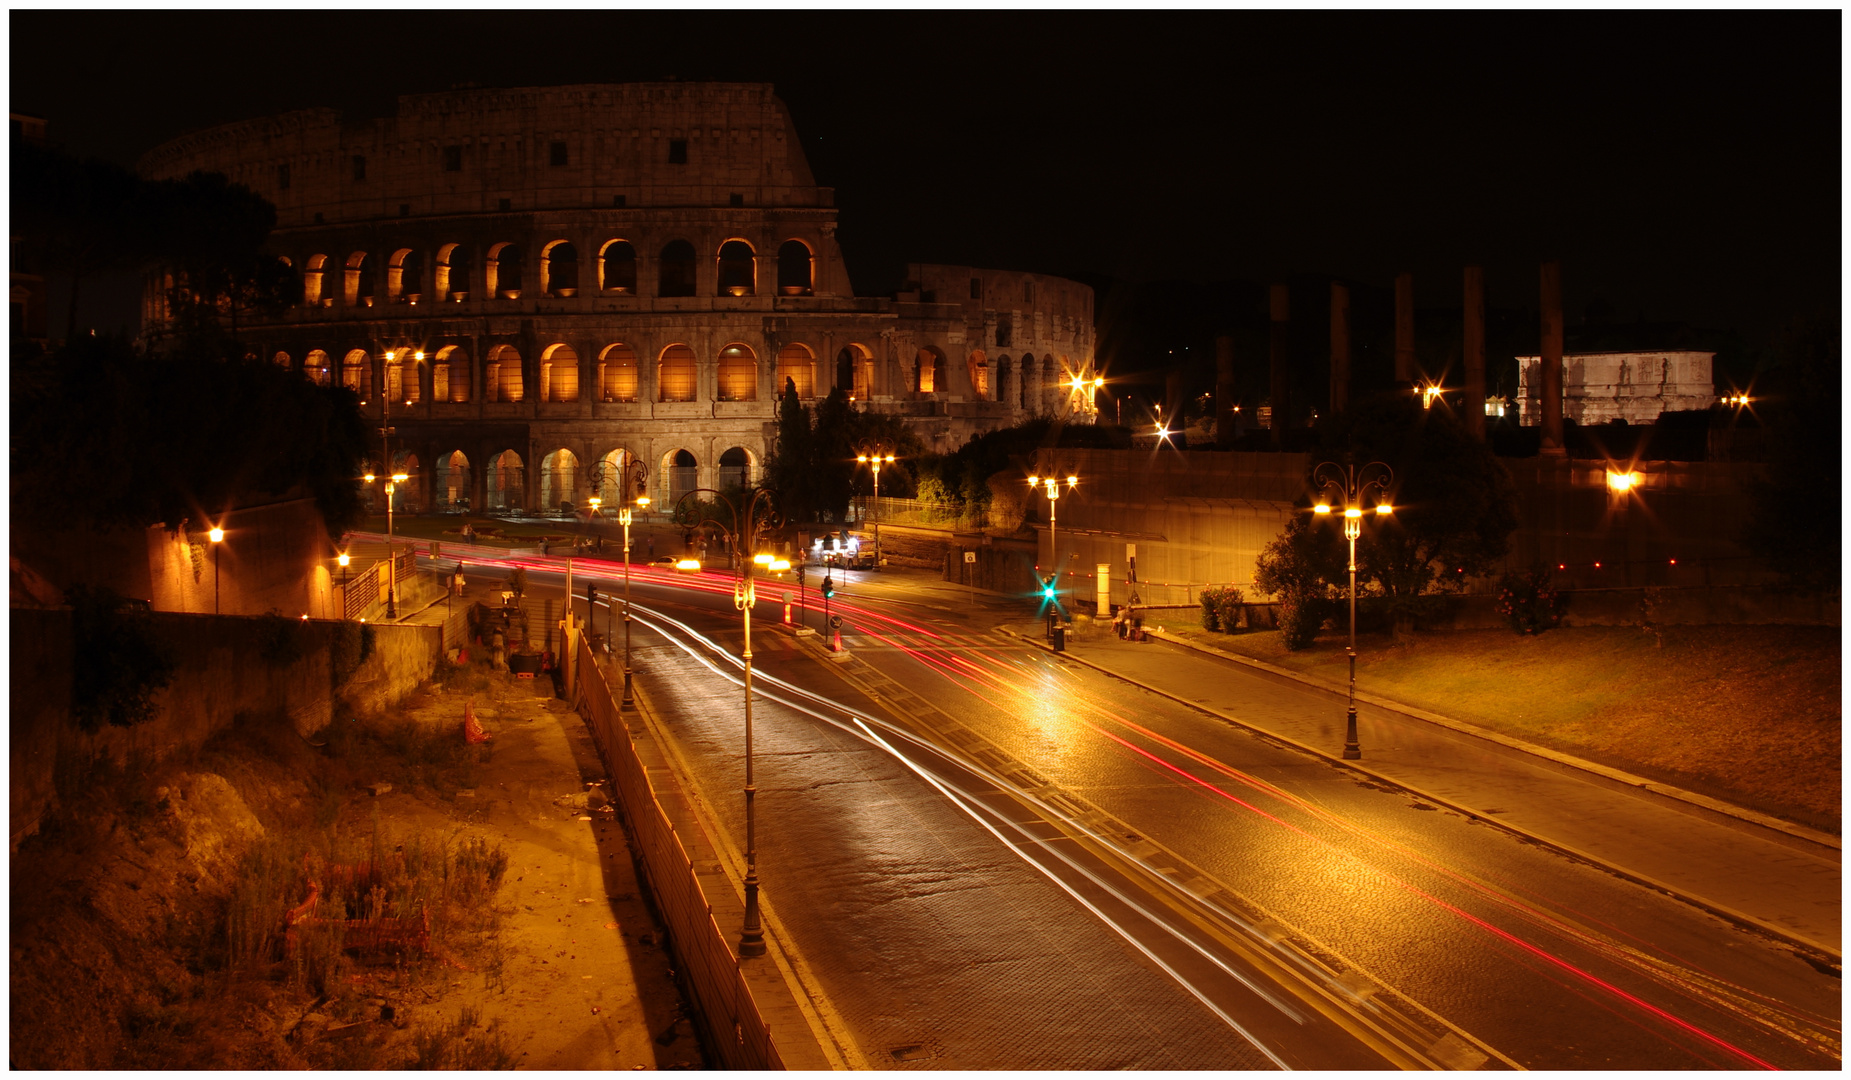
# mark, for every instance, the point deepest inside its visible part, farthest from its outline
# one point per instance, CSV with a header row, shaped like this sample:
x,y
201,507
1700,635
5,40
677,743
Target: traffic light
x,y
829,586
591,595
1047,587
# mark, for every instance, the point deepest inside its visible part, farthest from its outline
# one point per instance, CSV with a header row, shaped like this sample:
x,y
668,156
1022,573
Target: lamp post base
x,y
1352,750
751,936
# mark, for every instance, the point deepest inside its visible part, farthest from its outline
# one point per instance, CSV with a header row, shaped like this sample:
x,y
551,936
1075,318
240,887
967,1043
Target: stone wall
x,y
1631,386
228,671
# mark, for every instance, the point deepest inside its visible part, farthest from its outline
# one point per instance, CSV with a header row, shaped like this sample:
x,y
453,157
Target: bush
x,y
1221,608
1529,601
1301,614
1211,612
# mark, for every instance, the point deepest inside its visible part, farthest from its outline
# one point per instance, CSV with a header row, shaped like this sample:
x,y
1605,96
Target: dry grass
x,y
1748,713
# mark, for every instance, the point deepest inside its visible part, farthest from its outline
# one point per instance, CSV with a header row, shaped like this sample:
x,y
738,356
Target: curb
x,y
1739,918
1740,813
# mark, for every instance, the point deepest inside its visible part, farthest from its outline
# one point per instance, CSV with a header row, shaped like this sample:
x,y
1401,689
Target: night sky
x,y
1684,166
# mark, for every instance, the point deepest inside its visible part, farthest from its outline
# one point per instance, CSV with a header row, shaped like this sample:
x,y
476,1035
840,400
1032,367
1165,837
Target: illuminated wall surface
x,y
1630,386
603,268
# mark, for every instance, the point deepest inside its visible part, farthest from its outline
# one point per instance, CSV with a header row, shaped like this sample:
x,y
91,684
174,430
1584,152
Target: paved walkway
x,y
1781,878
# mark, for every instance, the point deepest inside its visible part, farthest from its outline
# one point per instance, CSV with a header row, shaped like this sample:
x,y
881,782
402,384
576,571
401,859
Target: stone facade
x,y
566,277
1630,386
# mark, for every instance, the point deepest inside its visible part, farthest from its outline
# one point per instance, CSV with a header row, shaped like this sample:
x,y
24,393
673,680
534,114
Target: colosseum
x,y
578,277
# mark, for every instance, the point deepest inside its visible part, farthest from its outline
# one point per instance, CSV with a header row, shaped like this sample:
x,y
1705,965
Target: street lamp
x,y
217,534
743,537
875,455
1351,487
1050,486
631,466
392,483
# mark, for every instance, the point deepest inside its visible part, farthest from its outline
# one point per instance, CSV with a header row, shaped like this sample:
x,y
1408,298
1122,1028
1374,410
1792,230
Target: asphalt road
x,y
992,859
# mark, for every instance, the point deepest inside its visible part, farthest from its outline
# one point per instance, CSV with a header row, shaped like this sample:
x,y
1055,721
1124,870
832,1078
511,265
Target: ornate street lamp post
x,y
1050,486
743,537
217,535
631,468
875,455
1351,486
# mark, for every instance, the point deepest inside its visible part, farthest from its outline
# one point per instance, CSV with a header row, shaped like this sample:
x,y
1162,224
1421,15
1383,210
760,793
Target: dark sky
x,y
1682,165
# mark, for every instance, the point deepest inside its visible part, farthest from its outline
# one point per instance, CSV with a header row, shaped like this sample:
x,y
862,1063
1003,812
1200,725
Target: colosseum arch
x,y
617,268
929,370
282,360
559,373
450,374
401,371
405,276
358,284
738,274
680,474
558,479
407,496
608,477
357,373
559,269
1004,373
450,489
503,270
977,366
502,375
506,482
796,269
855,371
675,272
738,373
311,279
617,373
450,280
315,366
735,469
797,364
676,374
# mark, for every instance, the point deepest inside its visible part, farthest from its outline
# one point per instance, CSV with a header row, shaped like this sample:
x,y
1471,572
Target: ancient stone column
x,y
1405,371
1224,391
1551,382
1339,347
1475,351
1282,375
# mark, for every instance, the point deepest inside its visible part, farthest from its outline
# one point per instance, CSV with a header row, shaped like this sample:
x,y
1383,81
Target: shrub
x,y
1228,604
1211,612
1529,601
1301,613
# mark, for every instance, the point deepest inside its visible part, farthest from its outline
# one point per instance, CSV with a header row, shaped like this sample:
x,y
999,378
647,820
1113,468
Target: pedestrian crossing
x,y
964,643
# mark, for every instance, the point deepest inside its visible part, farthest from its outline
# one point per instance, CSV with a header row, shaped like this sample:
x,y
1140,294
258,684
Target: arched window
x,y
559,374
675,379
1003,370
558,479
798,364
979,375
359,283
405,382
1027,380
311,279
796,275
506,481
451,488
682,475
619,268
738,374
738,275
617,374
929,371
855,372
502,375
405,276
559,269
675,276
451,281
315,366
735,469
357,373
503,271
450,375
281,360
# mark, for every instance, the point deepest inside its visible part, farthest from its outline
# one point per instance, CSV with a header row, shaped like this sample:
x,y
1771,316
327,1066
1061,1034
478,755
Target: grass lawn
x,y
1749,714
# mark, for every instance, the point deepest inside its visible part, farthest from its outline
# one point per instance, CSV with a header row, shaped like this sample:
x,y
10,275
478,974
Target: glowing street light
x,y
743,537
215,535
1350,488
875,455
1050,486
632,475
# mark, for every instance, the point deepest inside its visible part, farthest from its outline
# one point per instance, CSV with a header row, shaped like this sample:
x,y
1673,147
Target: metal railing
x,y
736,1030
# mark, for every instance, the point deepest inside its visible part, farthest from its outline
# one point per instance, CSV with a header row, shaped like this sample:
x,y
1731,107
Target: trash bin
x,y
1059,637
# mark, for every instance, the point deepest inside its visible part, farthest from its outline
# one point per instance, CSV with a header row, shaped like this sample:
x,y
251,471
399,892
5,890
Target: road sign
x,y
970,556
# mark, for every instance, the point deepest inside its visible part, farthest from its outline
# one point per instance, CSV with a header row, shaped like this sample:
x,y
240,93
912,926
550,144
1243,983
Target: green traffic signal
x,y
829,586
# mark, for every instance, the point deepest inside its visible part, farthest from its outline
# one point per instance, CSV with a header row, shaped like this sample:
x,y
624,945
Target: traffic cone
x,y
472,728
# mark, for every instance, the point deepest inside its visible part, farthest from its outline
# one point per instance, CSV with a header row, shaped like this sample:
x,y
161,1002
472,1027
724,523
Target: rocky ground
x,y
147,917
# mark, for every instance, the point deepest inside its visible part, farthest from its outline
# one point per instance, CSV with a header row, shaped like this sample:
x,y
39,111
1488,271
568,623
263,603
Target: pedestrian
x,y
456,585
652,547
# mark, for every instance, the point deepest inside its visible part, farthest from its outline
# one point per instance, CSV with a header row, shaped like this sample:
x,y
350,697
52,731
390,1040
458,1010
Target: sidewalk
x,y
1780,878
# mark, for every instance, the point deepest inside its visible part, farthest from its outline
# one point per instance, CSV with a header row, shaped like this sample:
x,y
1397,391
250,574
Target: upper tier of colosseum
x,y
667,144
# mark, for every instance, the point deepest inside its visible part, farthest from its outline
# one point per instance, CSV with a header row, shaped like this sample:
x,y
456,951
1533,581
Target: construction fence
x,y
736,1030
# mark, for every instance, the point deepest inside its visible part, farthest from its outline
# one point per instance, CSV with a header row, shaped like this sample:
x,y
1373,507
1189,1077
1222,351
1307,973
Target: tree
x,y
788,470
1454,505
1795,526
